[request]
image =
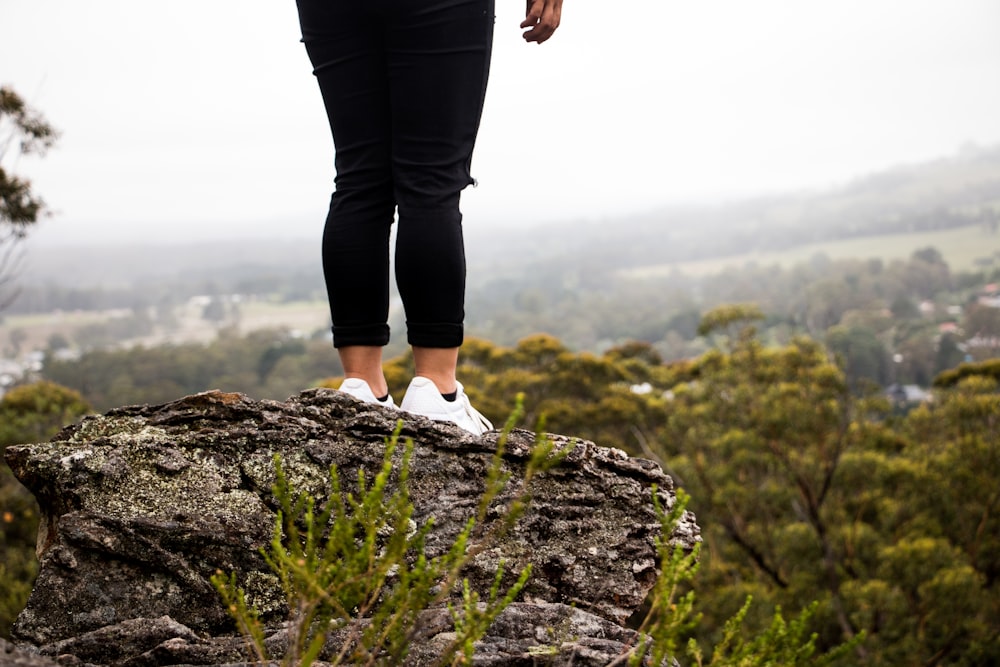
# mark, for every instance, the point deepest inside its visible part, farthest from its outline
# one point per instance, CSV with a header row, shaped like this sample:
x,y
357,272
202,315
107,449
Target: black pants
x,y
403,82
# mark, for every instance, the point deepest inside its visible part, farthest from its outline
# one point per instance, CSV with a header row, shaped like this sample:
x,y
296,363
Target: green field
x,y
33,331
961,247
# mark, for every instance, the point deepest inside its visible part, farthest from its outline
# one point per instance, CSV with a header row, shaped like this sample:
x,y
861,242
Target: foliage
x,y
890,321
806,487
756,440
35,412
806,491
782,643
952,377
876,315
475,617
270,363
593,397
861,354
18,565
728,318
22,131
670,614
363,557
29,413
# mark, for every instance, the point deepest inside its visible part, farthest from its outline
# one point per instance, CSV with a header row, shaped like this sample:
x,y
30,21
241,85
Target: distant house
x,y
989,296
10,372
641,389
991,301
902,394
983,342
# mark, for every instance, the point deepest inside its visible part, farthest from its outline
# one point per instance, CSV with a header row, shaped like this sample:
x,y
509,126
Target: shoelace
x,y
475,414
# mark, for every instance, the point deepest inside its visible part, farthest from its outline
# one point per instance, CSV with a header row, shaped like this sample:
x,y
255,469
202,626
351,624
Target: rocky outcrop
x,y
142,505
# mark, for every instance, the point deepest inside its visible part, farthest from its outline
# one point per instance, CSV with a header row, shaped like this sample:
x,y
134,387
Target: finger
x,y
532,12
540,32
546,23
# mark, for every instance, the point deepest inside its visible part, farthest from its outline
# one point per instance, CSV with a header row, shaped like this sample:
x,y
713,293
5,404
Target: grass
x,y
62,318
304,315
35,329
960,247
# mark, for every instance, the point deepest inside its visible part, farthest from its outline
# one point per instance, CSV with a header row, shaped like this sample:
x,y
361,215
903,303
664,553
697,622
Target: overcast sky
x,y
200,119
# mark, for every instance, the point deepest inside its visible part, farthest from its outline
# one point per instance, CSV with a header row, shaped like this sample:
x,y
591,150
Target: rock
x,y
142,505
12,656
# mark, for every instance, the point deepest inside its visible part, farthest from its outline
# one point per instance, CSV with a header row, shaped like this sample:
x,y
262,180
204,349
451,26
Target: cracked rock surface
x,y
140,506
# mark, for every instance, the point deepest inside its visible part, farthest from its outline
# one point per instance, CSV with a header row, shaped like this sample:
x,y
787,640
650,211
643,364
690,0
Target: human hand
x,y
541,19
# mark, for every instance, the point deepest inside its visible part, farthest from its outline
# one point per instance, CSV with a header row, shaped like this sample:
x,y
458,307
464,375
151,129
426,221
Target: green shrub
x,y
361,556
358,563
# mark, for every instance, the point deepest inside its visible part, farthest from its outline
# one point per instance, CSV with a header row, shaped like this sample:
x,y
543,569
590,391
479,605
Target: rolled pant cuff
x,y
370,335
439,334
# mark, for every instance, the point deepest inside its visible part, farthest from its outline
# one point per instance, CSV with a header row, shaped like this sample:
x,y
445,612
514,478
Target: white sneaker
x,y
360,390
423,398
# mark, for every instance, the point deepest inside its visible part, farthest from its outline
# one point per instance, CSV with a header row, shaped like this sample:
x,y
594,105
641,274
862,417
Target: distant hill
x,y
126,266
948,193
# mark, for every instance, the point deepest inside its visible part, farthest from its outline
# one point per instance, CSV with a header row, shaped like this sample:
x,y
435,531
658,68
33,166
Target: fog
x,y
195,121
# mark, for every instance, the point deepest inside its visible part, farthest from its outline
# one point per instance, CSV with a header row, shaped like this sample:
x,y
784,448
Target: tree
x,y
610,399
806,491
756,437
35,412
29,413
23,131
862,354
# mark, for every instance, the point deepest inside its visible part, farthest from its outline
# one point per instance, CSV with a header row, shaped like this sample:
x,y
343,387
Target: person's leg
x,y
439,56
364,362
344,41
438,365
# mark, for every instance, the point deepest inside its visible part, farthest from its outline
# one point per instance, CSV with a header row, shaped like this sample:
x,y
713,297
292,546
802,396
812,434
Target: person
x,y
403,83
